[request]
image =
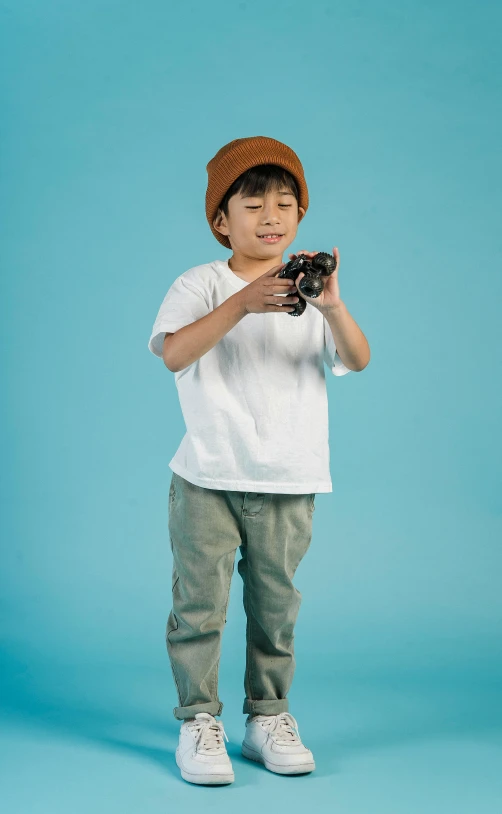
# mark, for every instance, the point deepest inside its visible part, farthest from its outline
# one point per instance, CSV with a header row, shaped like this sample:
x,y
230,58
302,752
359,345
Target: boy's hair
x,y
259,180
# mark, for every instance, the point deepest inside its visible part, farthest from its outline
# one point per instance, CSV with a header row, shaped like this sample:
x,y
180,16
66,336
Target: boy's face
x,y
248,218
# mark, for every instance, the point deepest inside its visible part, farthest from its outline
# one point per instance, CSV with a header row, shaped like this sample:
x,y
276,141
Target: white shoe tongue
x,y
284,733
211,738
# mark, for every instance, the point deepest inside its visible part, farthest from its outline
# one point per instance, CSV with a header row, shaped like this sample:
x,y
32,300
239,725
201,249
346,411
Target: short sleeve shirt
x,y
255,405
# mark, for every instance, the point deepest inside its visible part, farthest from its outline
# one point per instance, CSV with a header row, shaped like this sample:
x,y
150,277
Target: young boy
x,y
252,390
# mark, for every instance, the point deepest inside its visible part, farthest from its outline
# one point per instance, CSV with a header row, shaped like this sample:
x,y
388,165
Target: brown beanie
x,y
240,155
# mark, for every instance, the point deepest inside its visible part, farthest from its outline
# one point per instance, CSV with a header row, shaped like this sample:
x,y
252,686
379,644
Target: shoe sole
x,y
205,779
292,768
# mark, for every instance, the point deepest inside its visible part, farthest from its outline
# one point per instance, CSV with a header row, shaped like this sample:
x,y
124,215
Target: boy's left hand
x,y
330,297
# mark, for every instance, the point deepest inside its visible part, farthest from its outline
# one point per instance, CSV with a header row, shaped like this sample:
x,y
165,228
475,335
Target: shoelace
x,y
283,727
208,738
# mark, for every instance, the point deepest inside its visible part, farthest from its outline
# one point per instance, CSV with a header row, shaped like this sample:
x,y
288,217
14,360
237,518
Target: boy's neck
x,y
250,269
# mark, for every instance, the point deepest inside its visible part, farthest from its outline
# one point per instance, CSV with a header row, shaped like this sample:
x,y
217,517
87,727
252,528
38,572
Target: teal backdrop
x,y
109,113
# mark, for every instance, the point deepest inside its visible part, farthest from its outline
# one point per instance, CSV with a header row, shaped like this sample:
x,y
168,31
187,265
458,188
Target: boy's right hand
x,y
262,295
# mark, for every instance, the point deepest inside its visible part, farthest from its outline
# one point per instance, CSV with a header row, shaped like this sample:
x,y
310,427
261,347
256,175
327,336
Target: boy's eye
x,y
257,207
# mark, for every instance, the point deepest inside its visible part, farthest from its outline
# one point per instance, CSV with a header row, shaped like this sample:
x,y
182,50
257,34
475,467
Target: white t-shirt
x,y
255,406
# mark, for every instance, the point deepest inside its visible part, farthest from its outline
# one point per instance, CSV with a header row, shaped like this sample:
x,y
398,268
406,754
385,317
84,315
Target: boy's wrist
x,y
332,309
239,304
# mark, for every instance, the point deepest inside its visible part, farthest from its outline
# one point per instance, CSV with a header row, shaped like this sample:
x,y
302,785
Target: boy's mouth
x,y
270,238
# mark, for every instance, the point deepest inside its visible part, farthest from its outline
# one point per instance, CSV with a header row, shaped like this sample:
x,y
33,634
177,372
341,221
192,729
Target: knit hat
x,y
240,155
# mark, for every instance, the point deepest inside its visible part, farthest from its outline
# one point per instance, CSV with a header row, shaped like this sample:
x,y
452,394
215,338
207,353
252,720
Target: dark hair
x,y
258,181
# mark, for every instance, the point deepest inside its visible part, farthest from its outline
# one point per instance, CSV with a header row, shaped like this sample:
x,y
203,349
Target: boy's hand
x,y
330,297
266,293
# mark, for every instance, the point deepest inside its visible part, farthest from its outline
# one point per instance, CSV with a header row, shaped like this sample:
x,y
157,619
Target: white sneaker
x,y
274,740
201,754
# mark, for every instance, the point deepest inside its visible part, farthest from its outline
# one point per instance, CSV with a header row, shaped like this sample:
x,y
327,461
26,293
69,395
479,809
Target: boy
x,y
253,395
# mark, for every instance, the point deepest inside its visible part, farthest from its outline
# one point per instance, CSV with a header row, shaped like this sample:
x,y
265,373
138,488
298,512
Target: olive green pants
x,y
206,527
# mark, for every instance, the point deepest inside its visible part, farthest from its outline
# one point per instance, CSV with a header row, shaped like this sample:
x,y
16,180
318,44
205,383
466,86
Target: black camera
x,y
311,284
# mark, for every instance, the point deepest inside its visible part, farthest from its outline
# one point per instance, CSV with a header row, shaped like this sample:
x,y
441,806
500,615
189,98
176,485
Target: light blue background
x,y
110,112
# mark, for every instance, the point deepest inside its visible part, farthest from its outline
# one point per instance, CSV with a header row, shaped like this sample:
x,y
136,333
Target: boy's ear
x,y
217,221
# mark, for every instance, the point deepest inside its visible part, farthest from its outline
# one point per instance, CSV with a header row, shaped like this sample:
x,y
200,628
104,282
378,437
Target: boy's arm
x,y
185,346
351,344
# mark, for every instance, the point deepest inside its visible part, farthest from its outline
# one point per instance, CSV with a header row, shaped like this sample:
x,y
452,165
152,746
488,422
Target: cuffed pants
x,y
206,527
